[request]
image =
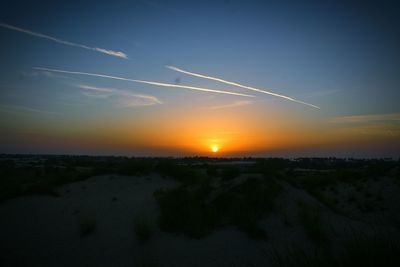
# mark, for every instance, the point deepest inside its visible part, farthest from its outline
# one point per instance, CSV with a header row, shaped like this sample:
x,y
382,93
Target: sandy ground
x,y
45,231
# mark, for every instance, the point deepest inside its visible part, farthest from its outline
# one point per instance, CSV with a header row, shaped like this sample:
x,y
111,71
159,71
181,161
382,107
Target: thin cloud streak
x,y
372,118
239,85
127,99
96,95
231,105
95,88
145,82
13,108
44,36
44,73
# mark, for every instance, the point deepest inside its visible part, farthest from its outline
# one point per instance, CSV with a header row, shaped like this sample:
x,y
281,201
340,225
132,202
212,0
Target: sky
x,y
210,78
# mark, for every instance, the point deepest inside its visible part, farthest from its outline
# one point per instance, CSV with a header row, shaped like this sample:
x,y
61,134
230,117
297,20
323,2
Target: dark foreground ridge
x,y
198,211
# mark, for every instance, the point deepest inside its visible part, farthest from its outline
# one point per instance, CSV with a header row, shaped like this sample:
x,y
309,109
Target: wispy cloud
x,y
96,95
135,100
231,105
146,82
123,97
46,74
97,89
110,52
60,41
23,109
372,118
239,85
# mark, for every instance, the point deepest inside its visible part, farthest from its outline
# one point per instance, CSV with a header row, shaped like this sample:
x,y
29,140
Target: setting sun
x,y
214,148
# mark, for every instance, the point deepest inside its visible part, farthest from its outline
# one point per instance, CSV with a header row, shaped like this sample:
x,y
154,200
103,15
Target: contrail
x,y
145,82
239,85
41,35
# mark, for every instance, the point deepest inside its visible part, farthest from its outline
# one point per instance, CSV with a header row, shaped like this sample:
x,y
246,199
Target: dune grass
x,y
143,227
148,261
310,218
198,210
184,174
185,210
18,181
87,224
358,251
293,256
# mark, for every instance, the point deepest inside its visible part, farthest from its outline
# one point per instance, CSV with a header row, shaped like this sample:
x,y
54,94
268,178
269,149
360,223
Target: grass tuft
x,y
87,224
198,210
143,227
359,251
310,218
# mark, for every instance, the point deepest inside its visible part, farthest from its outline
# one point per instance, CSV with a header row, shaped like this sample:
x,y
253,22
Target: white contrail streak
x,y
41,35
145,82
239,85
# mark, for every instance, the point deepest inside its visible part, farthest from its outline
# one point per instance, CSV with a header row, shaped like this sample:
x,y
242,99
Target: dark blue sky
x,y
342,56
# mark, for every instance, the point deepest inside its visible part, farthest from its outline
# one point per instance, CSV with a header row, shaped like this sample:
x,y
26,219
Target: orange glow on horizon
x,y
198,132
203,132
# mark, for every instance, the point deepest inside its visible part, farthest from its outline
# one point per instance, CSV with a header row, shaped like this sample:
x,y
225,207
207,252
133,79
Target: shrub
x,y
358,252
87,224
194,211
212,171
229,173
298,257
143,228
185,210
181,173
368,252
310,218
17,181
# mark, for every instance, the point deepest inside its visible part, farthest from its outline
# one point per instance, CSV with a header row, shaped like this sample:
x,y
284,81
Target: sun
x,y
214,148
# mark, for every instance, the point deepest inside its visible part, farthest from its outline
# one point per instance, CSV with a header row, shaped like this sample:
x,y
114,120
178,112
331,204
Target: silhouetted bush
x,y
143,227
136,166
310,218
193,211
229,173
16,181
272,166
358,252
186,211
87,224
181,173
212,171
